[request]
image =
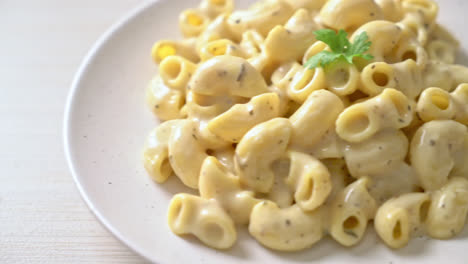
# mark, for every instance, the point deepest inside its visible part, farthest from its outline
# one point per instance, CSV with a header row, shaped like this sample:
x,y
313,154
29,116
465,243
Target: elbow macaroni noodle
x,y
398,217
296,154
350,211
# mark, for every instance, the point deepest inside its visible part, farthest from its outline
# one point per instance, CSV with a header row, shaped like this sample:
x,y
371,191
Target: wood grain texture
x,y
42,216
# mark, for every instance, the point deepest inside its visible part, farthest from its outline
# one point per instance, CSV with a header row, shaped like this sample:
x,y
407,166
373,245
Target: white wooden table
x,y
42,216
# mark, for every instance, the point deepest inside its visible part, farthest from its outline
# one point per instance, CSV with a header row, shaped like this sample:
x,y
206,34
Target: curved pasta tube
x,y
415,28
234,123
184,48
314,49
261,16
390,109
445,76
289,42
227,75
321,107
205,219
252,43
329,146
304,82
186,153
264,64
427,8
164,102
447,213
286,229
375,77
376,154
310,179
349,15
281,72
391,9
410,50
192,22
435,103
397,179
210,139
397,218
441,33
156,153
442,51
408,78
225,156
311,5
214,8
284,101
384,36
432,151
356,123
442,46
252,165
342,78
350,211
205,107
460,99
217,29
220,47
176,71
217,183
284,75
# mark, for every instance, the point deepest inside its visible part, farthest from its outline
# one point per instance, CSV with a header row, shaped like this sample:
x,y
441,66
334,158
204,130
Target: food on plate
x,y
305,118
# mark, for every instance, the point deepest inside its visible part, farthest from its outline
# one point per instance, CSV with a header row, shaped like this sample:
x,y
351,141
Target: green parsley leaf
x,y
317,59
341,48
360,45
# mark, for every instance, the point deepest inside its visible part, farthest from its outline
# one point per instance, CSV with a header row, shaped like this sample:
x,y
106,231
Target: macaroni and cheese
x,y
298,152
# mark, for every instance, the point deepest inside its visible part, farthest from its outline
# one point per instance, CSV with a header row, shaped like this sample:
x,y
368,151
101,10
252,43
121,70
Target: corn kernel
x,y
162,51
194,19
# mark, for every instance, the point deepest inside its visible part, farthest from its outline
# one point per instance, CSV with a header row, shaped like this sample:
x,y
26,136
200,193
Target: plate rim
x,y
68,110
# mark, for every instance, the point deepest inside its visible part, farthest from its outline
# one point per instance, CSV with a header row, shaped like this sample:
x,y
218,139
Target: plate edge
x,y
90,55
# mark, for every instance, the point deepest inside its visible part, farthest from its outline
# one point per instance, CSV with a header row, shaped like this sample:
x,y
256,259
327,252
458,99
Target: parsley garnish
x,y
341,48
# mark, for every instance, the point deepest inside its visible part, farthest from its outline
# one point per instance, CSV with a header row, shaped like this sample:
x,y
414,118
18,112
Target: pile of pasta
x,y
296,153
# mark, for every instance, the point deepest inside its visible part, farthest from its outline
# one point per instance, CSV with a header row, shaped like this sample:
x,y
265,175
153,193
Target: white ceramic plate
x,y
106,123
